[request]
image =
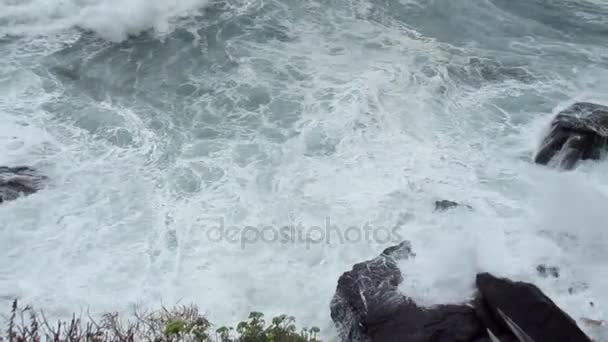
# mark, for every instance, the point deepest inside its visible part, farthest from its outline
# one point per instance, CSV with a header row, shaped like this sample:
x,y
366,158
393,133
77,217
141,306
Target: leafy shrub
x,y
282,329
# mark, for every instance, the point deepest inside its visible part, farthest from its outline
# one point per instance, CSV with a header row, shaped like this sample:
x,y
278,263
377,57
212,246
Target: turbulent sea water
x,y
157,121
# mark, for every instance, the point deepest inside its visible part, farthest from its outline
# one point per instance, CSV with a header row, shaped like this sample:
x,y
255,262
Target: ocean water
x,y
182,137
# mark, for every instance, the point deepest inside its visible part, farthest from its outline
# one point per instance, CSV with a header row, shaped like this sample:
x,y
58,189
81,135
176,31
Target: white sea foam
x,y
114,20
378,132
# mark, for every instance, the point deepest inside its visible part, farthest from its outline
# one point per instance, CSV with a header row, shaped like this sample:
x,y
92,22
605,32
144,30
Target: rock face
x,y
18,181
369,307
525,305
579,132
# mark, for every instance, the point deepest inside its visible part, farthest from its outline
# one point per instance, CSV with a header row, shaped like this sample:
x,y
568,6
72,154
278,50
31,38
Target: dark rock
x,y
399,252
527,307
368,306
579,132
445,205
374,280
546,271
19,181
409,322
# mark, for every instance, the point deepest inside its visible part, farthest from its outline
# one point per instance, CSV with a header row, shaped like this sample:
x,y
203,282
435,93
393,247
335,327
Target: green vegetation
x,y
183,323
282,329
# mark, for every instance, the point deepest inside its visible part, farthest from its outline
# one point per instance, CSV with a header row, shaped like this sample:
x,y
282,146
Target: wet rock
x,y
506,303
19,181
369,286
446,204
368,306
579,132
546,271
409,322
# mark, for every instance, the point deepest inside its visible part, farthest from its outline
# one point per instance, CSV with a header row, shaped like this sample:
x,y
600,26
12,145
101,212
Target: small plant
x,y
178,328
282,329
177,324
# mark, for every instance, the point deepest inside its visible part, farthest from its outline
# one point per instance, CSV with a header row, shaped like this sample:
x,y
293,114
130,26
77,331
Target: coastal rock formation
x,y
579,132
369,307
525,310
19,181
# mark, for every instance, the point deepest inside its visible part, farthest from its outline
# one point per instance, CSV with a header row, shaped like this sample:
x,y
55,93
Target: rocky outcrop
x,y
369,307
524,309
579,132
19,181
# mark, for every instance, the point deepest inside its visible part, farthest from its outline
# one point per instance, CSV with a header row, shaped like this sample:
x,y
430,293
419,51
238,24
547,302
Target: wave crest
x,y
114,20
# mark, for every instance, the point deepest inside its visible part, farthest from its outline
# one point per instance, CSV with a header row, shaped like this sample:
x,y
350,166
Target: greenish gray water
x,y
156,123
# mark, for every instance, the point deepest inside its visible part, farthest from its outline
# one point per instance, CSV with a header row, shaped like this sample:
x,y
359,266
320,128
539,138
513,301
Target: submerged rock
x,y
546,271
579,132
368,306
446,204
19,181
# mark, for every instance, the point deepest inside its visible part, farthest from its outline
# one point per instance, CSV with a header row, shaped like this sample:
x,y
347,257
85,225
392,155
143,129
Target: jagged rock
x,y
368,306
19,181
371,282
446,204
579,132
526,306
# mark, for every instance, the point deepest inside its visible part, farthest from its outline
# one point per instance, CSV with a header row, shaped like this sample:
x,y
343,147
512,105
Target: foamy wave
x,y
114,20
